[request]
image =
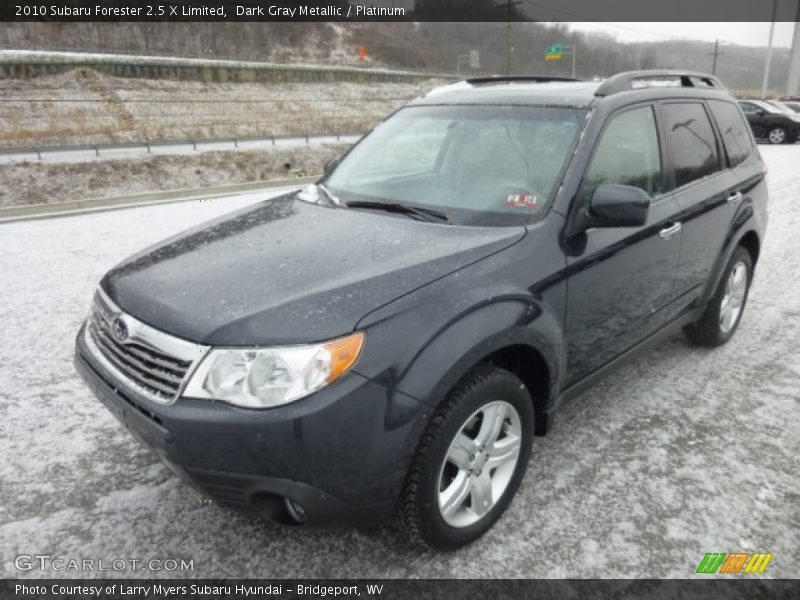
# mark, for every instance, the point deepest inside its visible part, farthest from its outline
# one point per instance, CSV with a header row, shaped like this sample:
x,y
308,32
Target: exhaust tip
x,y
295,510
278,509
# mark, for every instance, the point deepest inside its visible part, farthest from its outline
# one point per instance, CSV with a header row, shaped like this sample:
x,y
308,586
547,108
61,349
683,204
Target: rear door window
x,y
691,140
734,129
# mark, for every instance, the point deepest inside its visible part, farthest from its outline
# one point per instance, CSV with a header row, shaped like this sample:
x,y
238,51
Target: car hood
x,y
286,271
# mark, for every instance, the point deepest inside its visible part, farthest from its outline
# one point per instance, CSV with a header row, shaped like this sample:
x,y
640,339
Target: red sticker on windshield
x,y
524,200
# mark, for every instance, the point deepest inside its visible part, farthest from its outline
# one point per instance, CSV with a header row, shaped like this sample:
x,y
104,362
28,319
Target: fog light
x,y
296,511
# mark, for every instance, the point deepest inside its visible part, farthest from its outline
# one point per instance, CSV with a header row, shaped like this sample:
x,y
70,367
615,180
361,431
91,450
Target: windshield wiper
x,y
426,214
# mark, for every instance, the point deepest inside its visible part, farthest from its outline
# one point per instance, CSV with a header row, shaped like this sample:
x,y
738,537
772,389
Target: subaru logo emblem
x,y
119,329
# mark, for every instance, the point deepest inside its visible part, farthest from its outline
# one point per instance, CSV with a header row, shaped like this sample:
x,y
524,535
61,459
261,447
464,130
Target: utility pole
x,y
793,83
509,47
769,49
715,53
574,58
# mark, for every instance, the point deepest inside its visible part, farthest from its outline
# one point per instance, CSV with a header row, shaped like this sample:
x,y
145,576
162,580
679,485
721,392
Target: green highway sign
x,y
554,52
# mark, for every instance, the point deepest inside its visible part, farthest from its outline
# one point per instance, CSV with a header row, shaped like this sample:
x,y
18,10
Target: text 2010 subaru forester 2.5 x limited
x,y
389,340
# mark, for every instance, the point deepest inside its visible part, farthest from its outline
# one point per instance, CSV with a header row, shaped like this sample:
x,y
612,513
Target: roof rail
x,y
623,82
517,78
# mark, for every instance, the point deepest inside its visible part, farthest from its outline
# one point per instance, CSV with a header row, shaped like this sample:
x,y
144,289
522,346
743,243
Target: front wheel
x,y
724,311
470,460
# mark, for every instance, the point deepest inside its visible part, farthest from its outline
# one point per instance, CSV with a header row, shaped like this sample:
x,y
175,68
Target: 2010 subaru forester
x,y
389,340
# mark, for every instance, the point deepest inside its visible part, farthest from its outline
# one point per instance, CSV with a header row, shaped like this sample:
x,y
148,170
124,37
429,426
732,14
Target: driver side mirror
x,y
331,165
615,205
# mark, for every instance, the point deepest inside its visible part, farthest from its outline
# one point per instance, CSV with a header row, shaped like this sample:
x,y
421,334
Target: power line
x,y
586,19
769,50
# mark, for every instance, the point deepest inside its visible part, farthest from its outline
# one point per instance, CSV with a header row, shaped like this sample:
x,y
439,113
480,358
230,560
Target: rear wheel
x,y
724,311
777,135
470,460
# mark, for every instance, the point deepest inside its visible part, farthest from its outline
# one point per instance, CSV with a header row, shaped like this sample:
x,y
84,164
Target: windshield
x,y
480,165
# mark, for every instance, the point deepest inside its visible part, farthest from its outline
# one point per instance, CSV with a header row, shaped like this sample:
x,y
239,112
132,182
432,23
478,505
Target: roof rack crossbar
x,y
623,82
520,78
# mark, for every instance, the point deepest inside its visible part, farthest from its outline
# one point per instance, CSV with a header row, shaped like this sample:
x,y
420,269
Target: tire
x,y
486,391
717,325
777,135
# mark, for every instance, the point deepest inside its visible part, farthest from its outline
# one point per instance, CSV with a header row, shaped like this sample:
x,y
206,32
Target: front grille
x,y
138,358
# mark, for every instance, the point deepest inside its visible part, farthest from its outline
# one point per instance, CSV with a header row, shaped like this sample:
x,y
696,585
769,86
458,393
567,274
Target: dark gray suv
x,y
389,340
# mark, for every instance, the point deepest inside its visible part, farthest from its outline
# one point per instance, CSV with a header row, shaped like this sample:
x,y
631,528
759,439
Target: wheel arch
x,y
752,244
531,351
743,232
527,363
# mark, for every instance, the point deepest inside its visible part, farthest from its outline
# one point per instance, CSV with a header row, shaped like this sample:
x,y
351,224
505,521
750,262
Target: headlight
x,y
264,377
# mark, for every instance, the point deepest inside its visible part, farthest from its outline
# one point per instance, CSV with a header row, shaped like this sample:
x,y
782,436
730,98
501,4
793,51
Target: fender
x,y
515,321
457,345
516,297
743,223
419,375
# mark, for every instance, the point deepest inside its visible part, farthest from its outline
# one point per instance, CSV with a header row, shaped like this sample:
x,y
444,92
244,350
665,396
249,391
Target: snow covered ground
x,y
683,452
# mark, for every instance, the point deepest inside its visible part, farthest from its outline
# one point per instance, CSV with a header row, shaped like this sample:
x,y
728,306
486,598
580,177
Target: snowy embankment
x,y
50,183
84,106
83,58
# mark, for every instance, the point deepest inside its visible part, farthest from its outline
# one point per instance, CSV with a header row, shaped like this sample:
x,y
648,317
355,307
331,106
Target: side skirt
x,y
588,382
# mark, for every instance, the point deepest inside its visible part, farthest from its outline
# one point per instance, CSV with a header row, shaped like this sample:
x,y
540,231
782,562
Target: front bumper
x,y
341,453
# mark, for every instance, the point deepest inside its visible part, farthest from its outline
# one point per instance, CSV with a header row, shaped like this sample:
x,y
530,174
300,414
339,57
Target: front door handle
x,y
734,197
668,232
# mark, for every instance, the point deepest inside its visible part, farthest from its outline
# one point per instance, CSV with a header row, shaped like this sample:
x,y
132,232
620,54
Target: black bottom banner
x,y
468,589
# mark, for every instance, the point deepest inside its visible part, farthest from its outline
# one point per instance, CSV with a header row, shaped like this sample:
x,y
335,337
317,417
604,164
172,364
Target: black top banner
x,y
399,10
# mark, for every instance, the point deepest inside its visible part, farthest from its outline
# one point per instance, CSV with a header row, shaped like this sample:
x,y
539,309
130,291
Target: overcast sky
x,y
745,34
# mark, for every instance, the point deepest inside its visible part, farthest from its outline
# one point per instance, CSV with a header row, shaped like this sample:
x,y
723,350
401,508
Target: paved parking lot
x,y
683,452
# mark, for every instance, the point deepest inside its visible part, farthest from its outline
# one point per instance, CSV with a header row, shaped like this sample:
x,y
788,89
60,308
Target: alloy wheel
x,y
777,136
479,464
733,299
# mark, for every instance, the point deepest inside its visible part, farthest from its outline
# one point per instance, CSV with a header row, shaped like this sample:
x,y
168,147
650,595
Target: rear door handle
x,y
668,232
734,197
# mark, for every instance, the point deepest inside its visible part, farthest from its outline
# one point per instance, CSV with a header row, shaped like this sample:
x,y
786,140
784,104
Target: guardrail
x,y
21,64
148,146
